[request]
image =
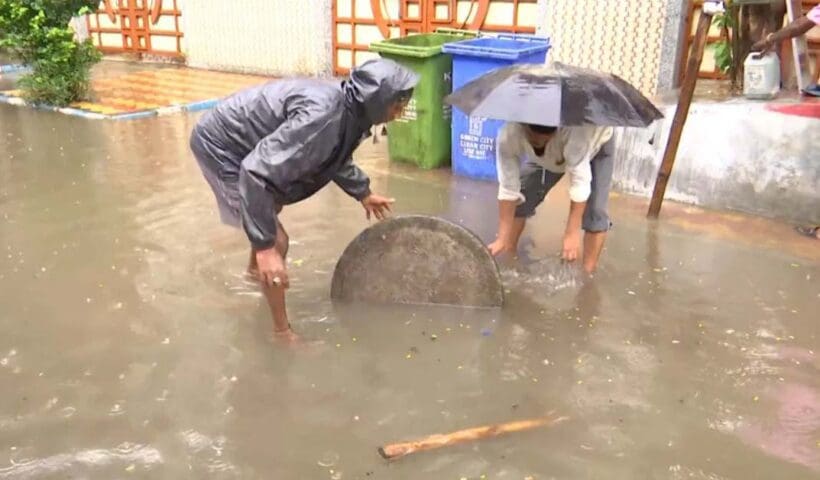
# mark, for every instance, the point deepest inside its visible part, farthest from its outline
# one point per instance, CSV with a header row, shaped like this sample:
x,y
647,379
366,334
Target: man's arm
x,y
581,147
506,218
572,234
798,27
353,181
356,183
509,187
274,164
580,186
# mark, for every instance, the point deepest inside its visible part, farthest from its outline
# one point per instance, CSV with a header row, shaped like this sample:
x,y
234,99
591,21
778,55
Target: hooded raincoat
x,y
281,142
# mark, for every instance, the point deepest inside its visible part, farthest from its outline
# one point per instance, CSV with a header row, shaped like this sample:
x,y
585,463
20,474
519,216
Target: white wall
x,y
737,155
272,37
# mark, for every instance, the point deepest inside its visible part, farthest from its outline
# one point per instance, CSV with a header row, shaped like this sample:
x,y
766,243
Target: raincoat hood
x,y
376,84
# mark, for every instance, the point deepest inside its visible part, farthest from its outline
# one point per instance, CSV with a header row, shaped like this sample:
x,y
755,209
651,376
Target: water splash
x,y
548,275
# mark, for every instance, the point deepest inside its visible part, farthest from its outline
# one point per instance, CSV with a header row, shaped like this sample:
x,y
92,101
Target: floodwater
x,y
131,346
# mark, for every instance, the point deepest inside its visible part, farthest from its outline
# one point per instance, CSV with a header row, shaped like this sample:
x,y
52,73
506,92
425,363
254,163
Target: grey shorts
x,y
536,182
228,201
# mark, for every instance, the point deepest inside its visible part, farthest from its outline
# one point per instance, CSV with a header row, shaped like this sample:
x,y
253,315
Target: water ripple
x,y
126,453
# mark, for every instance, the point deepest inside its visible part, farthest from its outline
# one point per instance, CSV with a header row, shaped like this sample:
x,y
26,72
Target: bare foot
x,y
290,339
287,337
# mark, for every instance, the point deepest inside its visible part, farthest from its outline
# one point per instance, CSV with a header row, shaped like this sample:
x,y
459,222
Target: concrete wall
x,y
672,50
638,40
737,155
273,37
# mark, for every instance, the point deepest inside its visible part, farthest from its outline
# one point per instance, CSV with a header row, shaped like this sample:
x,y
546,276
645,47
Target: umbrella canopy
x,y
555,95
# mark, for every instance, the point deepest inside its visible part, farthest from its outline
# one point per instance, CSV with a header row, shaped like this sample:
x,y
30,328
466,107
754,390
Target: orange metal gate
x,y
357,23
137,26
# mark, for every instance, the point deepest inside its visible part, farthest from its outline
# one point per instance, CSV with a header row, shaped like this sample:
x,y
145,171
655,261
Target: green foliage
x,y
724,58
37,32
723,21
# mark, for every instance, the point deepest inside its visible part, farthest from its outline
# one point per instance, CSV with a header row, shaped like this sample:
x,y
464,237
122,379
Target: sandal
x,y
813,90
810,232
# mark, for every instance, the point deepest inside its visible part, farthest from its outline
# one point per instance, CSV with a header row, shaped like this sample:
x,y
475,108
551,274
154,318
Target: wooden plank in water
x,y
397,450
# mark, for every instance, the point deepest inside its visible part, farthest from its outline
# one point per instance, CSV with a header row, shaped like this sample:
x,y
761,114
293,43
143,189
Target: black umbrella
x,y
555,95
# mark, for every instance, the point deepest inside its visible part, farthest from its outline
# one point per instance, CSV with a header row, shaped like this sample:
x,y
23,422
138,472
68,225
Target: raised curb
x,y
76,112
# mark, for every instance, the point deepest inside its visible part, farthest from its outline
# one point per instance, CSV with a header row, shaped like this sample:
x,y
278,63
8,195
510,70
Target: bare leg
x,y
593,246
276,295
596,221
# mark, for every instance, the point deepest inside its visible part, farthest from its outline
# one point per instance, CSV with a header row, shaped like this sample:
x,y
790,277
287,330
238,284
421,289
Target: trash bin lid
x,y
506,47
420,45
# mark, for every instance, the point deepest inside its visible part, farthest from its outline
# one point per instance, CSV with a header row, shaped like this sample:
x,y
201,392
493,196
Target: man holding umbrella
x,y
547,153
559,120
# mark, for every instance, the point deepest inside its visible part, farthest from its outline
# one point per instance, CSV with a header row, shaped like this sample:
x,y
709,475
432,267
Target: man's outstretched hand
x,y
377,206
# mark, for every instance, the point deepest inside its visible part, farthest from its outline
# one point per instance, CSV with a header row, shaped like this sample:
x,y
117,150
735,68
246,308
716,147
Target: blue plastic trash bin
x,y
473,138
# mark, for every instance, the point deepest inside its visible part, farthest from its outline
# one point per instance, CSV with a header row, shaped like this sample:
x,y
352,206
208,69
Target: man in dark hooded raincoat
x,y
279,143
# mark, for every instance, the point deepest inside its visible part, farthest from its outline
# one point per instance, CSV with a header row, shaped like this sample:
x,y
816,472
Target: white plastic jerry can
x,y
761,76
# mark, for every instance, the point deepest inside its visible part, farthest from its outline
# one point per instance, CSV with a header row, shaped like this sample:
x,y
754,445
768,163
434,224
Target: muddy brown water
x,y
132,347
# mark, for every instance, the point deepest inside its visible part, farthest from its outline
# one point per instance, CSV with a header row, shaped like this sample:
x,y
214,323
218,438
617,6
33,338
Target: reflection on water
x,y
131,342
98,460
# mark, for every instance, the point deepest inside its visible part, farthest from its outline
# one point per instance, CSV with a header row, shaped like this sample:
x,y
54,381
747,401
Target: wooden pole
x,y
397,450
735,39
686,92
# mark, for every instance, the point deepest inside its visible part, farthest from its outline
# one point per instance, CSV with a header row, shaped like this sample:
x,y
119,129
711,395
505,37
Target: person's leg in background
x,y
812,231
596,221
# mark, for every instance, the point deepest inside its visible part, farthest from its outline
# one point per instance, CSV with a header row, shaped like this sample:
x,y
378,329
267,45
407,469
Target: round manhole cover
x,y
418,260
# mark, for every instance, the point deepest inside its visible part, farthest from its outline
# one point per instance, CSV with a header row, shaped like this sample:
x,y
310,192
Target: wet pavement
x,y
131,346
120,87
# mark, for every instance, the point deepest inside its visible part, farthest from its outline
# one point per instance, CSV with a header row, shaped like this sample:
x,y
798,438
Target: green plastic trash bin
x,y
422,135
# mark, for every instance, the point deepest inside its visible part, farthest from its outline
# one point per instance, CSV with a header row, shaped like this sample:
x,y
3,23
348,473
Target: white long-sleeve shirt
x,y
570,150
